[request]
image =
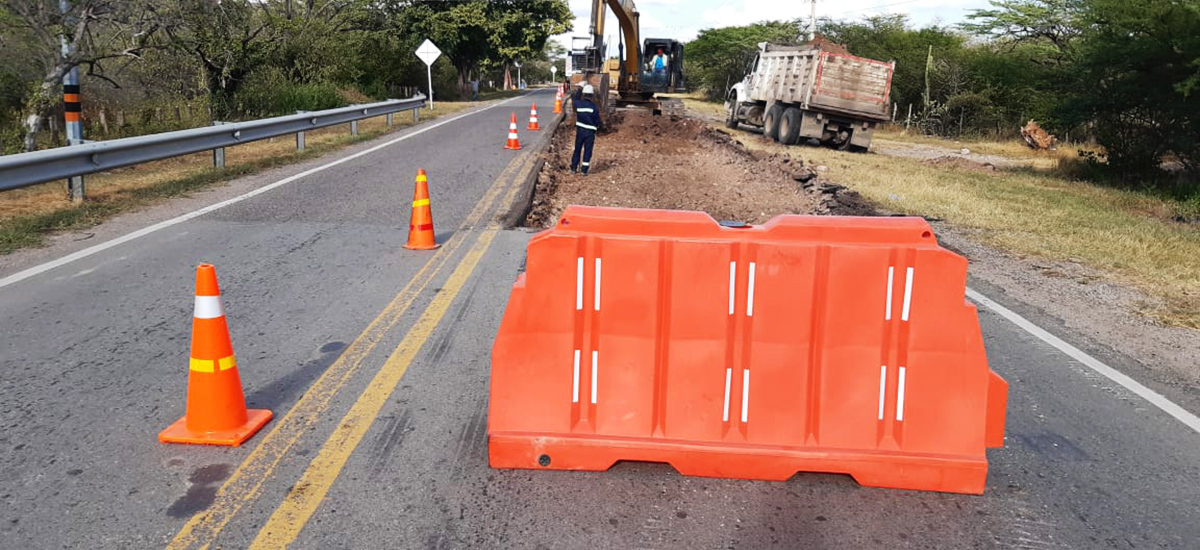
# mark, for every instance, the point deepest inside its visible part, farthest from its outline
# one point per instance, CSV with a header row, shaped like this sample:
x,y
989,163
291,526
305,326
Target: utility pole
x,y
812,22
71,105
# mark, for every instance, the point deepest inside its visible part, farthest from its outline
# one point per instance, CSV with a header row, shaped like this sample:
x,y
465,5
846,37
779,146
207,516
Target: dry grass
x,y
1028,212
27,214
1014,149
696,102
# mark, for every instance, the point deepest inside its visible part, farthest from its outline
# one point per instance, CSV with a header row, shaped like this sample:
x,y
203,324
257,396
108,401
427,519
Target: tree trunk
x,y
37,106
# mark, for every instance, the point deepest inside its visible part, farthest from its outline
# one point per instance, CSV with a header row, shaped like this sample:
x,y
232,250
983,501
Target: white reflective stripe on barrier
x,y
575,384
595,368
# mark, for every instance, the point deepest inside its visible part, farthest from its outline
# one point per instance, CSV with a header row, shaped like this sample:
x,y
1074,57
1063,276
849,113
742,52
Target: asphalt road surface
x,y
375,361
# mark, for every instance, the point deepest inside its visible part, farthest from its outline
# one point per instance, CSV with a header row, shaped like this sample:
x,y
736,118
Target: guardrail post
x,y
389,119
75,188
300,135
416,115
354,127
219,152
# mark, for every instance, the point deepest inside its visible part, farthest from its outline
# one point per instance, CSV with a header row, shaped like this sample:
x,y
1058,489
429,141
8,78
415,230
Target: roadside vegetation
x,y
150,66
29,215
1121,76
154,65
1036,212
1116,80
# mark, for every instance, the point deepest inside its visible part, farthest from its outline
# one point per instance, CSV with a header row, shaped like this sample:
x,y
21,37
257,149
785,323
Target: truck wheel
x,y
731,120
771,122
789,126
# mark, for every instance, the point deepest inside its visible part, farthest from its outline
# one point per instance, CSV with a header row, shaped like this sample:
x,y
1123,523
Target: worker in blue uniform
x,y
587,122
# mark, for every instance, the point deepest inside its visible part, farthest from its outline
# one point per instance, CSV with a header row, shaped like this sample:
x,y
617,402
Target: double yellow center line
x,y
246,483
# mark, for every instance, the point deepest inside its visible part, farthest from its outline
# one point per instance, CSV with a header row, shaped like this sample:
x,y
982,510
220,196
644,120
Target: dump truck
x,y
806,92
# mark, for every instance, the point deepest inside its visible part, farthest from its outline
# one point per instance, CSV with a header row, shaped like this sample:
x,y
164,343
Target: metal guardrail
x,y
25,169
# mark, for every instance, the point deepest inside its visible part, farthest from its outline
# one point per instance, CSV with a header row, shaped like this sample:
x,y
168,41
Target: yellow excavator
x,y
645,68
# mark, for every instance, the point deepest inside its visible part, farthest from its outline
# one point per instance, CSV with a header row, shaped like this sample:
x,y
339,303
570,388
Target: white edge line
x,y
732,280
887,313
575,391
745,394
882,387
728,377
750,293
1155,398
597,284
579,284
908,280
900,397
81,254
595,362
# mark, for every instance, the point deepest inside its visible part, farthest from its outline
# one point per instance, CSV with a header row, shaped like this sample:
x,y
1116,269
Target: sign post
x,y
518,64
429,53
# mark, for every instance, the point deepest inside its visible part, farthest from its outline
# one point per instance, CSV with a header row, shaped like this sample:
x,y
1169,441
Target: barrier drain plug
x,y
544,460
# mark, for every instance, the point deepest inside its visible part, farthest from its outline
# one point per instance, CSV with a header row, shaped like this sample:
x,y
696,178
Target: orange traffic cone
x,y
216,408
558,97
512,134
533,123
420,229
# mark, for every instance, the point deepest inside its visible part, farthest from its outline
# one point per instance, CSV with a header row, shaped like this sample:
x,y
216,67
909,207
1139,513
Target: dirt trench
x,y
680,163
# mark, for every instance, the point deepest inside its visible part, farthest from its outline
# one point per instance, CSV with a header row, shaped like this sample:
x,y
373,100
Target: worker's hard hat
x,y
587,89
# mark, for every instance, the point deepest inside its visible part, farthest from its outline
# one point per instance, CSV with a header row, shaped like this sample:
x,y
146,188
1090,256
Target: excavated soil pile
x,y
644,161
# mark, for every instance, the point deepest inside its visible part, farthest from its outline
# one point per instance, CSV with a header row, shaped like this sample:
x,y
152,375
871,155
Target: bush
x,y
269,93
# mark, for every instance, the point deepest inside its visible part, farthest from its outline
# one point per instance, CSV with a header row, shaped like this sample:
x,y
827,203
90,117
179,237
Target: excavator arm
x,y
627,16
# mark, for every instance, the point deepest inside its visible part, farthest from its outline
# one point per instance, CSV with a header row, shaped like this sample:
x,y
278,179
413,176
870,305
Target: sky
x,y
683,19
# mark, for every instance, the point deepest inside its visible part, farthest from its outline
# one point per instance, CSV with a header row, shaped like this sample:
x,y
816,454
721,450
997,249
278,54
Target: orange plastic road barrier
x,y
216,408
420,228
558,100
533,121
512,134
823,344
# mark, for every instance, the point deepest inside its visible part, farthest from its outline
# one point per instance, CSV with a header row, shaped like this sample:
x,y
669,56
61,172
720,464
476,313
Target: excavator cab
x,y
662,66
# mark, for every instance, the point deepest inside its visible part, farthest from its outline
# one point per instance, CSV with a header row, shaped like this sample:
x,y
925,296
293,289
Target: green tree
x,y
472,32
229,38
889,38
718,58
1138,68
1046,29
95,30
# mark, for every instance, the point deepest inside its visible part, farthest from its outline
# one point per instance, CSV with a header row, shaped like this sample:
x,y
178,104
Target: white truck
x,y
796,93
